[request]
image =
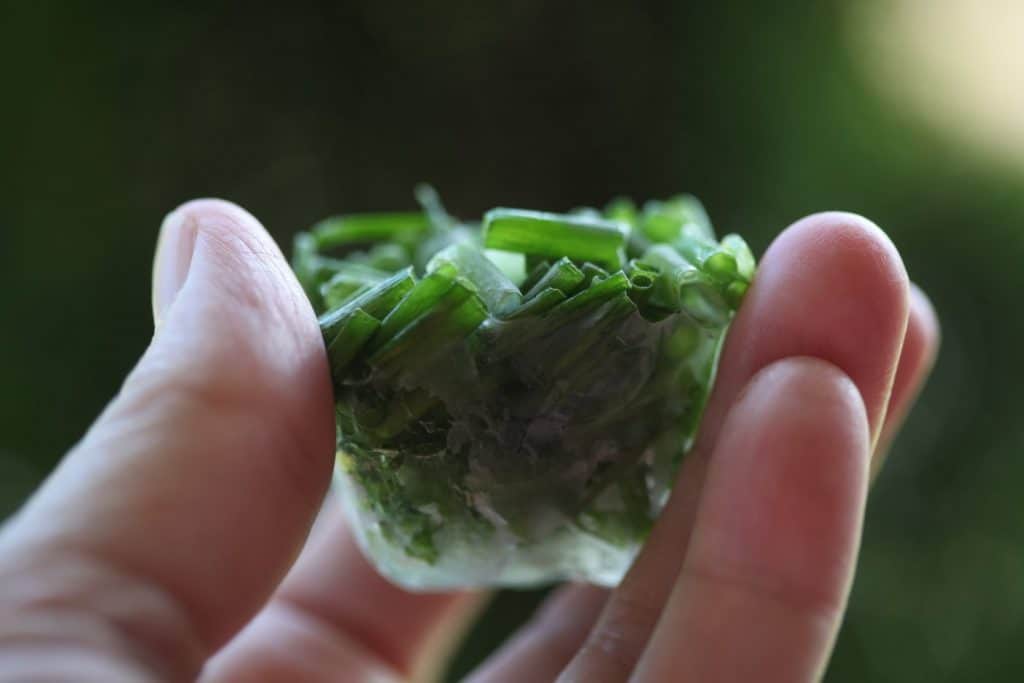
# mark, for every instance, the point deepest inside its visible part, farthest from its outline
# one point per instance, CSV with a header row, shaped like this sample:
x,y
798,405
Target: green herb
x,y
513,398
578,237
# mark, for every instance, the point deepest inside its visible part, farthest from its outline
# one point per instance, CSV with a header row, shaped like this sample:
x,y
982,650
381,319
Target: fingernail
x,y
172,260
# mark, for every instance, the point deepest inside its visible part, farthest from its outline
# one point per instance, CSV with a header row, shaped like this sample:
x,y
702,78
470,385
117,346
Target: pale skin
x,y
174,541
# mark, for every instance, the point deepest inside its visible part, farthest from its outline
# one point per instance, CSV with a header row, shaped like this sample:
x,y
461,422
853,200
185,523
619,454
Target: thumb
x,y
193,492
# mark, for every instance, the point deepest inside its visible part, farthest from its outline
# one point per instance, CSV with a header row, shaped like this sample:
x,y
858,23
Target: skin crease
x,y
195,491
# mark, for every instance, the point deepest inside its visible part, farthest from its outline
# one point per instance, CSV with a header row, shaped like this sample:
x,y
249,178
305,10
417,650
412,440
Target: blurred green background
x,y
115,112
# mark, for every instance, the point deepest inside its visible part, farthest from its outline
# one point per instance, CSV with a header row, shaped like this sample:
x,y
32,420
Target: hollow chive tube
x,y
735,292
592,272
674,272
376,301
745,263
370,227
599,291
721,267
642,279
682,287
563,276
579,238
497,291
353,335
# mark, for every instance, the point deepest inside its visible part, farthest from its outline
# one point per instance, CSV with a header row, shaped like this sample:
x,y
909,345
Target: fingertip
x,y
216,208
235,316
788,479
852,245
809,395
222,228
831,286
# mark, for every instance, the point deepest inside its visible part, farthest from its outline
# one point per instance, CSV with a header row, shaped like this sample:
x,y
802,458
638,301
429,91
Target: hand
x,y
164,546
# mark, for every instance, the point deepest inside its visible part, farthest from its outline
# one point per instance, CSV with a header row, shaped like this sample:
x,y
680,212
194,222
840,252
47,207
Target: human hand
x,y
164,546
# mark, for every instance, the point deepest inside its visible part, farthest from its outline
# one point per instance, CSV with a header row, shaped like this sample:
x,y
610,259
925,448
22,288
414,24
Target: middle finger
x,y
833,287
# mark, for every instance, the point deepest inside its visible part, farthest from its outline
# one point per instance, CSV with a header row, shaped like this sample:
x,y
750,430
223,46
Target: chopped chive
x,y
304,255
497,291
553,235
599,291
511,263
354,333
417,301
389,257
312,269
455,314
503,338
586,212
341,289
737,246
349,280
641,282
735,291
673,273
592,272
376,301
363,272
680,216
370,227
435,242
696,251
704,303
538,304
721,267
623,210
697,221
682,287
428,198
641,276
533,260
564,276
537,271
